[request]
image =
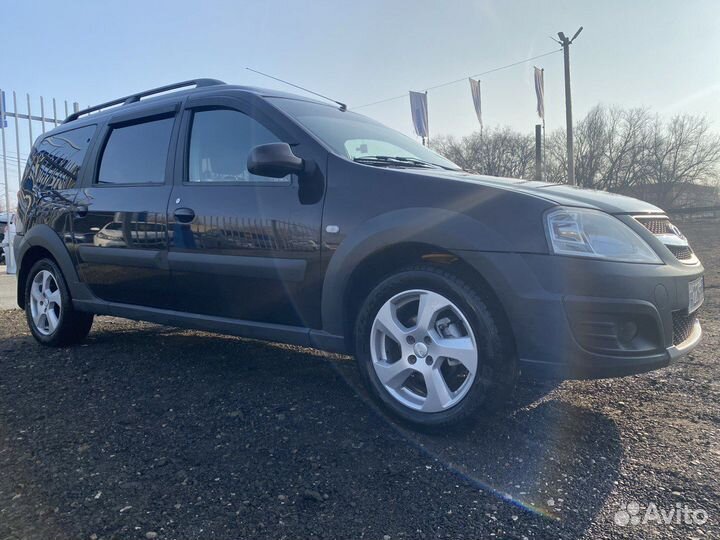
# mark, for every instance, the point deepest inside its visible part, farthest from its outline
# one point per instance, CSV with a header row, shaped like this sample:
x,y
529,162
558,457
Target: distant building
x,y
669,197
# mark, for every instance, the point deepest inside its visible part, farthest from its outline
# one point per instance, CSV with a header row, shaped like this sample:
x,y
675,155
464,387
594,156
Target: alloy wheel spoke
x,y
35,292
438,393
52,320
461,349
430,303
54,297
43,322
393,375
46,280
37,317
387,322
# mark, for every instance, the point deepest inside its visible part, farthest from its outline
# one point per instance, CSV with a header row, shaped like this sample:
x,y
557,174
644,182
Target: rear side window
x,y
55,162
220,141
136,153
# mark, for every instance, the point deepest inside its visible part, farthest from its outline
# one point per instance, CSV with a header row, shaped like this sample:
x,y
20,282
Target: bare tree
x,y
682,153
590,141
496,152
626,144
620,150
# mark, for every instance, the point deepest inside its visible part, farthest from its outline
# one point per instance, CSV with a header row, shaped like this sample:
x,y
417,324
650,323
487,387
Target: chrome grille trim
x,y
655,224
669,235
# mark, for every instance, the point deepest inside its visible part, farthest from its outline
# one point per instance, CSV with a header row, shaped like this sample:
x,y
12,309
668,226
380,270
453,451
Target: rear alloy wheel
x,y
45,302
432,348
48,307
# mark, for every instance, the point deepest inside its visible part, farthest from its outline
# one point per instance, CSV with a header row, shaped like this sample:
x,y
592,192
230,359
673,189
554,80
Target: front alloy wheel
x,y
423,350
432,348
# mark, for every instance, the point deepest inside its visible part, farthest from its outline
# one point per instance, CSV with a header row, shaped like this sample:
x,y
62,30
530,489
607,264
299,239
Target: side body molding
x,y
439,227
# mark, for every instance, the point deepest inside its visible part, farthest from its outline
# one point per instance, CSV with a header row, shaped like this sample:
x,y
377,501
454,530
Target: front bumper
x,y
581,318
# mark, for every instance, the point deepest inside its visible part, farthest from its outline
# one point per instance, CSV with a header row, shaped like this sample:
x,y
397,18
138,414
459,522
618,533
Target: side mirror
x,y
274,160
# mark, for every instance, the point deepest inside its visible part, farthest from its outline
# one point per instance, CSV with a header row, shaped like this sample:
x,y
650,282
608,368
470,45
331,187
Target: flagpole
x,y
544,170
539,78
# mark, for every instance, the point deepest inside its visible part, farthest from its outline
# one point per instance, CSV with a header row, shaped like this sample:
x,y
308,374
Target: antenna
x,y
343,107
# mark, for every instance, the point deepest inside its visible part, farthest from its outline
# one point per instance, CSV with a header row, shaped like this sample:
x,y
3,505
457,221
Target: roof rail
x,y
133,98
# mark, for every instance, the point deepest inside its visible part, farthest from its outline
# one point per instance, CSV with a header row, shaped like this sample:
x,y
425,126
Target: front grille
x,y
656,225
682,326
670,236
682,253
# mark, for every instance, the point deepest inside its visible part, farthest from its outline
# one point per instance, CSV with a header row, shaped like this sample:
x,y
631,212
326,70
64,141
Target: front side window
x,y
136,153
220,141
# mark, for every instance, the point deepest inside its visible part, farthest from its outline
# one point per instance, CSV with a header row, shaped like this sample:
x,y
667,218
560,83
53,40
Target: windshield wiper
x,y
399,161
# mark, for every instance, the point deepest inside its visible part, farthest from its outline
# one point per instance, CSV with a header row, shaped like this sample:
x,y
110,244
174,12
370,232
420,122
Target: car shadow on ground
x,y
536,452
209,435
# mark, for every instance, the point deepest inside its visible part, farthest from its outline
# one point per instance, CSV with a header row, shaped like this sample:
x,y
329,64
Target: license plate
x,y
696,294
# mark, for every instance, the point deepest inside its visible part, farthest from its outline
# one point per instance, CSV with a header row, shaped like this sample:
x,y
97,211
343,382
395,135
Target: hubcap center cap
x,y
420,349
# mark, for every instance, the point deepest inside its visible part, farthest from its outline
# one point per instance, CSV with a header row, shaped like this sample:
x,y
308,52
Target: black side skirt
x,y
293,335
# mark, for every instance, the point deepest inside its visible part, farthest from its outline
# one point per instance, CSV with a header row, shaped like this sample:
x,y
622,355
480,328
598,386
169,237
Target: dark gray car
x,y
269,215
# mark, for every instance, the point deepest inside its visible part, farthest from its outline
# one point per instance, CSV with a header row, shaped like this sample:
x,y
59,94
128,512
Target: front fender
x,y
443,228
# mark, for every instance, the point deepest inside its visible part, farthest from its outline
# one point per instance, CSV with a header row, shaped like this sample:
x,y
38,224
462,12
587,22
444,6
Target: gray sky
x,y
661,54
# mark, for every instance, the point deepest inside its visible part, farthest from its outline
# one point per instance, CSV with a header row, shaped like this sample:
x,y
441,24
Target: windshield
x,y
357,137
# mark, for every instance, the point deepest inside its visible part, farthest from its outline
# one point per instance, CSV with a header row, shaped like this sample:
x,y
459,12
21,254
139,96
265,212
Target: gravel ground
x,y
152,432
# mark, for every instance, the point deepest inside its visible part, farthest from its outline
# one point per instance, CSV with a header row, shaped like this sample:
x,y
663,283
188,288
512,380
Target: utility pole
x,y
538,152
565,42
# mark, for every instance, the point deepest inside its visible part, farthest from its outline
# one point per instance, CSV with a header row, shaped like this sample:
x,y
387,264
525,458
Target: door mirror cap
x,y
274,160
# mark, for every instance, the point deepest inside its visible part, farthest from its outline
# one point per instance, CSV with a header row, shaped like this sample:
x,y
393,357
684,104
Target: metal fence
x,y
18,130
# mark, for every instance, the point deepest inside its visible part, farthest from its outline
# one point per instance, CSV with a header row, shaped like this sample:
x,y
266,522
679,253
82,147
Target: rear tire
x,y
48,307
432,349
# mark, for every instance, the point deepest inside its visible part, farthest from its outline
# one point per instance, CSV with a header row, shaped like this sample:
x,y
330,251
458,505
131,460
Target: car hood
x,y
562,194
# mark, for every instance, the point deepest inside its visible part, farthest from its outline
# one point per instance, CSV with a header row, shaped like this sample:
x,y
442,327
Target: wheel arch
x,y
391,242
42,241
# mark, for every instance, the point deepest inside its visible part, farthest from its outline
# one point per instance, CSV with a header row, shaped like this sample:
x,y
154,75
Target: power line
x,y
343,107
463,79
13,155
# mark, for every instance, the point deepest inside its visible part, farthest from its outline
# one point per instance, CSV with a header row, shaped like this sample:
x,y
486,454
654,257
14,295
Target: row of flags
x,y
419,104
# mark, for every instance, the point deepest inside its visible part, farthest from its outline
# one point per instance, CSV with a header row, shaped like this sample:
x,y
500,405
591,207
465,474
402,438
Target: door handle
x,y
81,211
184,215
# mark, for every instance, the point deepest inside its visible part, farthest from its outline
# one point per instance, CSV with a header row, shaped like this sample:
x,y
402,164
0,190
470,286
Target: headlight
x,y
591,233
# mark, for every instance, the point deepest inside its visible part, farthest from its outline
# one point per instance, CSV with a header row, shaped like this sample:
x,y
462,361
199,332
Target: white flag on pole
x,y
419,110
477,101
540,91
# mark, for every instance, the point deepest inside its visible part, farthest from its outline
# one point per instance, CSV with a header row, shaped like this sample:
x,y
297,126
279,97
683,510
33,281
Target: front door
x,y
242,246
120,229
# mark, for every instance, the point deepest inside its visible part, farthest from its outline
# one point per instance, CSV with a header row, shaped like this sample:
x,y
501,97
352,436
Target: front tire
x,y
48,307
432,349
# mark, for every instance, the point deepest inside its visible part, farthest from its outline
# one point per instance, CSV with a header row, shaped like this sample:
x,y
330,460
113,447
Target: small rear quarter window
x,y
56,160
